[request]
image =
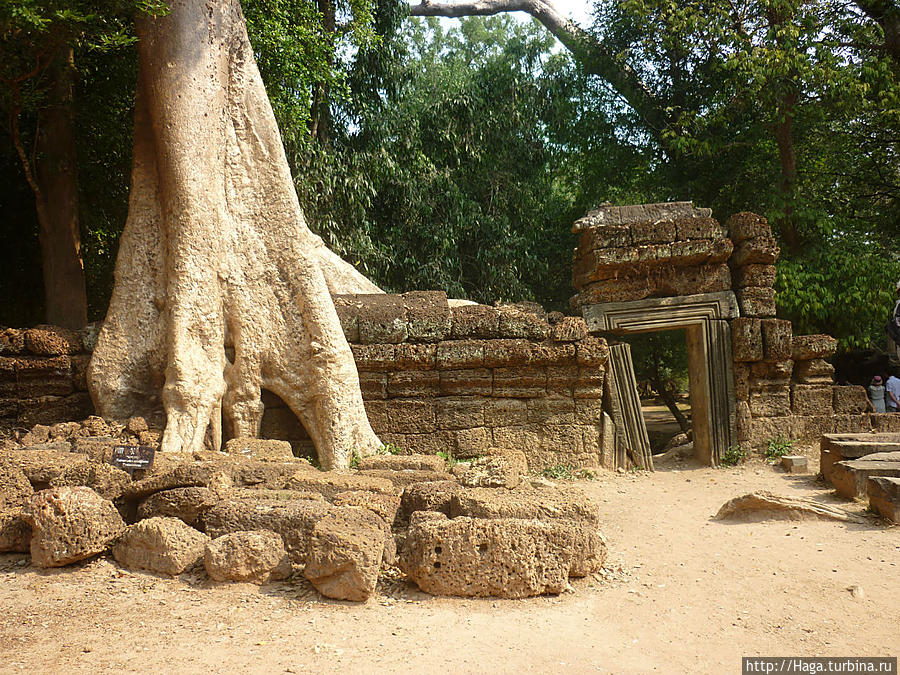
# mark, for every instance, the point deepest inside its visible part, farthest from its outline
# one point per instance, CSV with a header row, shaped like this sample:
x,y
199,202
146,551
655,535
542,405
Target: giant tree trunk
x,y
216,254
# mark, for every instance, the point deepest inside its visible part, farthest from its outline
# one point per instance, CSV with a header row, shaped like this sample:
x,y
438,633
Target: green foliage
x,y
448,458
778,447
389,449
355,459
734,455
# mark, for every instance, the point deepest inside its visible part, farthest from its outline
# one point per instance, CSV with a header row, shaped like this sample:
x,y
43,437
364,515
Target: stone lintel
x,y
655,314
622,215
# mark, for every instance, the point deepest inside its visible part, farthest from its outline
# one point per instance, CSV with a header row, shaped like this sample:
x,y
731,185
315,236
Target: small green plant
x,y
354,460
568,472
389,449
447,457
734,455
779,447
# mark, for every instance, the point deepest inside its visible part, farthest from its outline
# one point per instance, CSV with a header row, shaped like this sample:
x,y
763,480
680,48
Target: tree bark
x,y
668,397
887,14
784,138
593,55
216,254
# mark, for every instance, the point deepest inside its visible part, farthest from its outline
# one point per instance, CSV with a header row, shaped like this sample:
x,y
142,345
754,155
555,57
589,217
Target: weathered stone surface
x,y
292,519
416,356
770,403
15,491
413,384
699,228
746,339
382,320
569,329
330,483
471,382
462,412
884,497
776,337
481,558
592,351
428,316
766,505
607,236
345,554
815,371
187,504
166,476
272,474
496,468
12,340
756,301
374,357
460,354
809,347
850,476
762,250
741,381
507,352
745,225
850,399
70,524
403,477
811,399
607,216
386,507
107,481
476,321
524,320
430,496
42,463
255,556
410,416
770,374
528,504
52,341
521,382
754,275
652,232
655,282
258,448
795,463
160,544
401,462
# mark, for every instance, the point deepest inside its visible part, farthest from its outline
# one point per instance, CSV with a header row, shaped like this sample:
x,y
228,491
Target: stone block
x,y
851,424
652,232
428,316
754,274
810,428
656,281
741,381
776,338
561,380
472,442
460,413
411,416
588,411
884,497
410,356
401,479
330,483
765,429
474,321
43,376
756,301
612,236
810,347
850,477
42,410
770,373
771,403
500,412
850,399
457,354
551,411
609,216
524,320
589,383
426,444
551,353
815,371
521,382
755,251
569,329
473,382
373,385
374,357
745,225
188,504
52,341
743,423
382,319
811,399
377,412
256,557
496,468
699,228
12,341
885,422
348,314
433,496
160,544
592,351
795,464
506,353
79,371
417,462
387,507
746,339
699,252
413,384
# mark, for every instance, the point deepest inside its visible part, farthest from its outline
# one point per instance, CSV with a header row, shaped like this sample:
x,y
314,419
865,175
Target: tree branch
x,y
595,58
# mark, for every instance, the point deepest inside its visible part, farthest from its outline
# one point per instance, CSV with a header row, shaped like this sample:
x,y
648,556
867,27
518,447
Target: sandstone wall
x,y
434,378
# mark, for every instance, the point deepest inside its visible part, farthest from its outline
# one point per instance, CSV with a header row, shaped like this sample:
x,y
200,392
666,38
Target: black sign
x,y
132,457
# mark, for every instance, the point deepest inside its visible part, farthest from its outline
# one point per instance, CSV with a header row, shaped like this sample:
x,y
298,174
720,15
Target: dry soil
x,y
681,593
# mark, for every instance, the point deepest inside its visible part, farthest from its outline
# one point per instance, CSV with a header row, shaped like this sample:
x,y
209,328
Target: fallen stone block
x,y
546,504
42,463
70,524
400,479
849,477
404,462
496,468
434,496
765,505
107,481
482,558
160,544
259,449
188,504
385,506
53,341
795,463
345,553
256,557
177,473
884,497
15,492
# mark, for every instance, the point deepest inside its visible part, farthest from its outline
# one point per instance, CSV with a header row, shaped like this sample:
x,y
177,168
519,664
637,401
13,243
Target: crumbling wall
x,y
433,378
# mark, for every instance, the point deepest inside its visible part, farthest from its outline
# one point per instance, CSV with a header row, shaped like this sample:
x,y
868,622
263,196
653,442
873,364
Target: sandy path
x,y
693,595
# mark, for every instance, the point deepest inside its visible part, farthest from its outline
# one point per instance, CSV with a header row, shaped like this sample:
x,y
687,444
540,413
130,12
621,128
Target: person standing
x,y
877,394
892,394
893,329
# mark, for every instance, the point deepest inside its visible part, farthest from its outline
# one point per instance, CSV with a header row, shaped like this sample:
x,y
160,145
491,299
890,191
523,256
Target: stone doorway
x,y
704,319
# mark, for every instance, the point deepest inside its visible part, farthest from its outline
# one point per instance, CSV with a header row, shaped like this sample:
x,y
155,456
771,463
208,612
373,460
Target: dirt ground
x,y
680,593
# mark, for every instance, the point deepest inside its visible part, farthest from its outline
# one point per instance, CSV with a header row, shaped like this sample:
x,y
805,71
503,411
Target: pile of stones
x,y
255,513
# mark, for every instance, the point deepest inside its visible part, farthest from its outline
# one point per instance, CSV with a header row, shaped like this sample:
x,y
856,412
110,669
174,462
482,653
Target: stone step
x,y
884,497
849,477
838,447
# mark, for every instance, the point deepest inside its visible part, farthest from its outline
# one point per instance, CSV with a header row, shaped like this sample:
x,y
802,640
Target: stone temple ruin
x,y
503,390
